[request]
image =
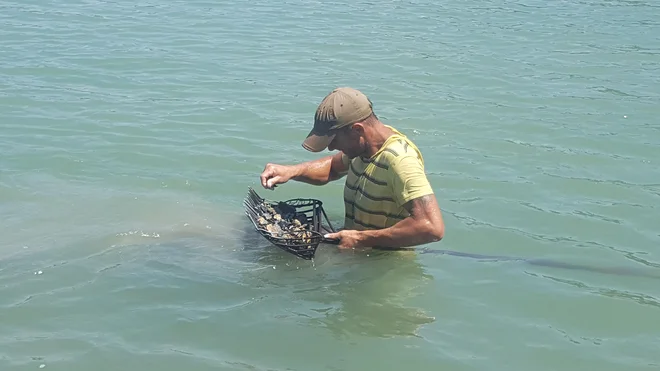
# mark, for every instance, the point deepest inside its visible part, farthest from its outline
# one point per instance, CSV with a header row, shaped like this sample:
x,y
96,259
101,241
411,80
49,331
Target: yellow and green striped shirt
x,y
377,188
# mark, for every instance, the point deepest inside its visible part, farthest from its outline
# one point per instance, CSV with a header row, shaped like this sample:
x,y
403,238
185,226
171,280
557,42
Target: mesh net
x,y
296,226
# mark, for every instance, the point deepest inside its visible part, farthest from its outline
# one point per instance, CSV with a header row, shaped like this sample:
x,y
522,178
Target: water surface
x,y
130,132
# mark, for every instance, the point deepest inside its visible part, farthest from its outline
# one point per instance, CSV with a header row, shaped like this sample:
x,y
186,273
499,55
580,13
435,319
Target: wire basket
x,y
296,226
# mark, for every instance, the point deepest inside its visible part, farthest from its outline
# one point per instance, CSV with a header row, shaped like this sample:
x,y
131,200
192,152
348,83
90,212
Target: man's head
x,y
340,122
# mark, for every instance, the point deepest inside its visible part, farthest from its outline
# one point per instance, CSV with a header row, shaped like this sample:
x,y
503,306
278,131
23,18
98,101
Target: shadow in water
x,y
374,298
348,294
622,271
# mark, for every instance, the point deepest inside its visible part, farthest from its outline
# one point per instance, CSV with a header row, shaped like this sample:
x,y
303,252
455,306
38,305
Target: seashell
x,y
274,230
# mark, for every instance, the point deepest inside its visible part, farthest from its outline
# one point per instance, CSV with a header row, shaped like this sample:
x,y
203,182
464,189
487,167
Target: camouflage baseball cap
x,y
340,108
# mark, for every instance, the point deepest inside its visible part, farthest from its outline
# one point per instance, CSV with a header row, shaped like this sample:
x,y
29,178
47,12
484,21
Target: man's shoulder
x,y
399,146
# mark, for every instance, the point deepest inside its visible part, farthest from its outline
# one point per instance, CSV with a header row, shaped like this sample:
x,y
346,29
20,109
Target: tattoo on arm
x,y
419,204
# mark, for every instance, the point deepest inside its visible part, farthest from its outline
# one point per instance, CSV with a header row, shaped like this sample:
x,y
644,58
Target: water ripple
x,y
131,130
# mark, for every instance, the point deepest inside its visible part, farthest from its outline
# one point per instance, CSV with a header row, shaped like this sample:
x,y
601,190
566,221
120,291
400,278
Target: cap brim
x,y
316,142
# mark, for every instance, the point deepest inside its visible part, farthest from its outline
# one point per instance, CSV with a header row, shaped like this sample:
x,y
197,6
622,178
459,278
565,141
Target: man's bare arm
x,y
316,172
321,171
424,225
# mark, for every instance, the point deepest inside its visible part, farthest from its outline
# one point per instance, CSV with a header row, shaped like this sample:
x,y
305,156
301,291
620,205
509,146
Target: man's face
x,y
349,140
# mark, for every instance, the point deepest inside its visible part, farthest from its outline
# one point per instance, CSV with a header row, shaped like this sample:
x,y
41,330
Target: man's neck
x,y
377,137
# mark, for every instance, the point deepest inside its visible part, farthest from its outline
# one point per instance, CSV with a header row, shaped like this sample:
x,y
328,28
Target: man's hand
x,y
274,174
348,239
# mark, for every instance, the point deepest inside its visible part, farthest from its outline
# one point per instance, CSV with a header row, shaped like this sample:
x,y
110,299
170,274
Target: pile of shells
x,y
288,226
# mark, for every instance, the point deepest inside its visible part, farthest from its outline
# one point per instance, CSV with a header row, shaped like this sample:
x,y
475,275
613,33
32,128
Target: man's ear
x,y
358,127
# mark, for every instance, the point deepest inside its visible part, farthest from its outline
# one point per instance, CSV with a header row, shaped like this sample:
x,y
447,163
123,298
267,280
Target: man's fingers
x,y
271,182
264,178
331,236
267,179
266,175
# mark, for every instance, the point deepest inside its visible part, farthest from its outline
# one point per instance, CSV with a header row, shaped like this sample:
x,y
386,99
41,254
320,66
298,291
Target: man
x,y
388,200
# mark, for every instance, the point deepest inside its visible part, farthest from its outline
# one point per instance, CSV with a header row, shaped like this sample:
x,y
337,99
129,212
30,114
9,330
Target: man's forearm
x,y
316,172
406,233
321,171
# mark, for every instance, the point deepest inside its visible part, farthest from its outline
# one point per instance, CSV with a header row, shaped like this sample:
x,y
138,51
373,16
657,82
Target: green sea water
x,y
131,131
